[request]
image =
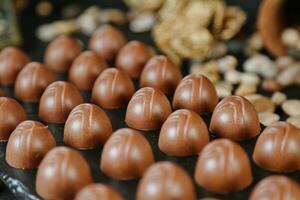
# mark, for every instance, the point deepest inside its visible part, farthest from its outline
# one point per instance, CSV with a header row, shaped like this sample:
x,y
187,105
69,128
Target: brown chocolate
x,y
235,118
184,133
106,41
28,144
133,57
57,101
85,69
126,155
61,52
223,166
12,60
112,89
87,127
98,191
32,81
11,114
166,181
196,93
276,187
62,173
147,109
161,73
278,148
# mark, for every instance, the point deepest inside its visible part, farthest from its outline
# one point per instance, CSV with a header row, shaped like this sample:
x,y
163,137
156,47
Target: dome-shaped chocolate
x,y
98,191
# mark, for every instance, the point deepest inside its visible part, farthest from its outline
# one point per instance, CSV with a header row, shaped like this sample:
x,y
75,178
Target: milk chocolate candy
x,y
278,148
57,101
147,109
11,114
223,166
196,93
32,81
166,181
184,133
126,155
61,174
87,127
112,89
98,191
28,144
235,118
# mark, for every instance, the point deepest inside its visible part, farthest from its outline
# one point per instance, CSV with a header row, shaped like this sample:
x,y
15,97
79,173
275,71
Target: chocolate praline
x,y
58,100
166,181
196,93
62,173
97,190
235,118
32,81
12,60
126,155
28,144
11,114
85,69
112,89
87,127
278,148
223,166
147,109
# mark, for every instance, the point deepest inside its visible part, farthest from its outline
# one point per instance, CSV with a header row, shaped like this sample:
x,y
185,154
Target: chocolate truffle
x,y
32,81
147,109
11,114
61,52
85,69
196,93
58,100
112,89
28,144
12,60
235,118
133,57
278,148
106,41
184,133
62,173
166,181
126,155
98,191
223,166
161,73
87,127
276,187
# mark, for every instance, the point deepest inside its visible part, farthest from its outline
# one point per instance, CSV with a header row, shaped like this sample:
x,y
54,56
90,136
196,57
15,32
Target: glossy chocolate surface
x,y
112,89
223,166
98,191
196,93
235,118
32,81
166,181
147,109
58,100
184,133
126,155
62,173
87,127
28,144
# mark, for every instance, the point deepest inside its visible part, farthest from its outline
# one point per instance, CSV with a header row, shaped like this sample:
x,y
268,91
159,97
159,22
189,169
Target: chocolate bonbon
x,y
235,118
165,181
57,101
126,155
87,127
278,148
223,166
62,173
184,133
28,144
98,191
147,109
